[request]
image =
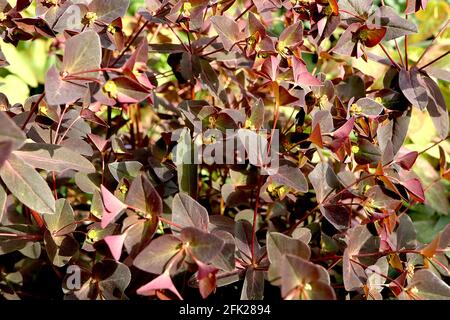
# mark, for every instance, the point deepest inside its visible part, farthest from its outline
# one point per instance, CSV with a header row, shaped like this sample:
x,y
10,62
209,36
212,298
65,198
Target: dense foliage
x,y
103,104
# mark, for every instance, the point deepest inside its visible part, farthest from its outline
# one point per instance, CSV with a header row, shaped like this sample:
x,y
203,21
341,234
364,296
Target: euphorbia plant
x,y
304,189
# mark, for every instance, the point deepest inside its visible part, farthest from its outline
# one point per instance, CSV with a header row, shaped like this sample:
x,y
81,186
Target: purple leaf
x,y
228,31
344,131
437,108
338,215
27,185
291,177
415,5
415,188
413,87
253,287
143,196
302,75
406,160
291,37
10,132
323,180
186,212
359,241
155,257
82,53
162,282
202,245
395,25
115,244
393,130
59,91
5,151
112,207
109,10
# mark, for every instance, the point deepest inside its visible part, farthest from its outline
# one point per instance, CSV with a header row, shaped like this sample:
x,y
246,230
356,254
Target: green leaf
x,y
27,185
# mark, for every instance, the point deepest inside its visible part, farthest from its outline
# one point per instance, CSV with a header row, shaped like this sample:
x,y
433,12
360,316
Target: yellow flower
x,y
187,6
92,235
111,29
355,109
123,188
363,35
323,101
43,109
89,18
355,149
414,290
110,88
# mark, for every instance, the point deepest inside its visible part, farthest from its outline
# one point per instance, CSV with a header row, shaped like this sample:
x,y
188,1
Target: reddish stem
x,y
389,57
255,216
33,109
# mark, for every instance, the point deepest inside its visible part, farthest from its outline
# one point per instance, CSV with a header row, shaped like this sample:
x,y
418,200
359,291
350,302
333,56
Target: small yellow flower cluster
x,y
89,18
355,109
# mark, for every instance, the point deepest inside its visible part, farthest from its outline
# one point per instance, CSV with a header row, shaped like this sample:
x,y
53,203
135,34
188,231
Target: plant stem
x,y
33,109
212,52
244,12
129,44
431,44
209,42
434,60
181,42
389,57
434,144
90,71
276,92
68,128
399,53
255,216
406,48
